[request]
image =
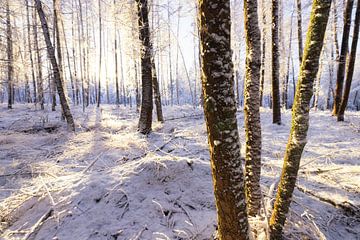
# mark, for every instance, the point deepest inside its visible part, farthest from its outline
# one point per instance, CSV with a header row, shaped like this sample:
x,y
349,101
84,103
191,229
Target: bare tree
x,y
350,70
55,66
251,108
10,56
145,120
220,116
275,63
300,115
342,59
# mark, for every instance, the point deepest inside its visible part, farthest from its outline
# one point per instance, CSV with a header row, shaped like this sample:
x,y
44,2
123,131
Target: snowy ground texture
x,y
109,182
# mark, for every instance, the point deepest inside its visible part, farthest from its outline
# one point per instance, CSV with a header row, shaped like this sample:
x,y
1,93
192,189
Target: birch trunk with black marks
x,y
300,115
350,70
220,116
100,56
275,63
252,108
145,120
55,67
342,58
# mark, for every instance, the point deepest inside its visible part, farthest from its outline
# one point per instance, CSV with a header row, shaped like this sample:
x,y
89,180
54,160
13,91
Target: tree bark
x,y
342,59
10,56
275,63
100,56
220,116
145,120
263,53
252,108
299,28
350,70
39,64
55,66
30,49
300,115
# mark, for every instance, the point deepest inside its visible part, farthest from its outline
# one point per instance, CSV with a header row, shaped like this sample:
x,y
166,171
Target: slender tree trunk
x,y
275,63
155,82
251,108
10,56
299,28
342,59
220,116
317,84
350,70
335,27
100,56
69,64
263,52
286,81
77,92
55,66
39,64
145,120
116,60
300,115
169,52
30,49
177,54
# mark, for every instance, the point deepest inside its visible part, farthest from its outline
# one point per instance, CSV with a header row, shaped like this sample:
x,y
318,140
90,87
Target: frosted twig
x,y
33,231
92,163
48,192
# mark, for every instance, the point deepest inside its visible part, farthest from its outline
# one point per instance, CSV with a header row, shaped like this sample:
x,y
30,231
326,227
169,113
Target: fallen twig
x,y
35,229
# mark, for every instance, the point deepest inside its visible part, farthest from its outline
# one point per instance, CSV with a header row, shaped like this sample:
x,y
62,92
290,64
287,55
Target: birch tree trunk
x,y
300,115
342,59
275,63
145,120
220,116
251,108
55,67
100,57
350,71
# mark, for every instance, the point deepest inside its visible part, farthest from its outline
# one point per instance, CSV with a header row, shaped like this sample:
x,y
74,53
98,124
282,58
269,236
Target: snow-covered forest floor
x,y
106,181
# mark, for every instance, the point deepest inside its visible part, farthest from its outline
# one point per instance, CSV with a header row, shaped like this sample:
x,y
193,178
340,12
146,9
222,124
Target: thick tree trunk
x,y
145,120
251,108
275,63
299,28
55,66
342,59
220,116
350,71
300,115
10,56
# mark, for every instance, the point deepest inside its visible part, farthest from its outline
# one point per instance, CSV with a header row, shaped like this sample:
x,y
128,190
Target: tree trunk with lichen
x,y
342,59
275,63
251,108
220,116
145,120
350,71
300,115
55,67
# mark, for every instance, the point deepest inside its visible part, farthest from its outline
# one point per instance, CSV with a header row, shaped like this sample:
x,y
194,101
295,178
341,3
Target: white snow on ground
x,y
106,181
